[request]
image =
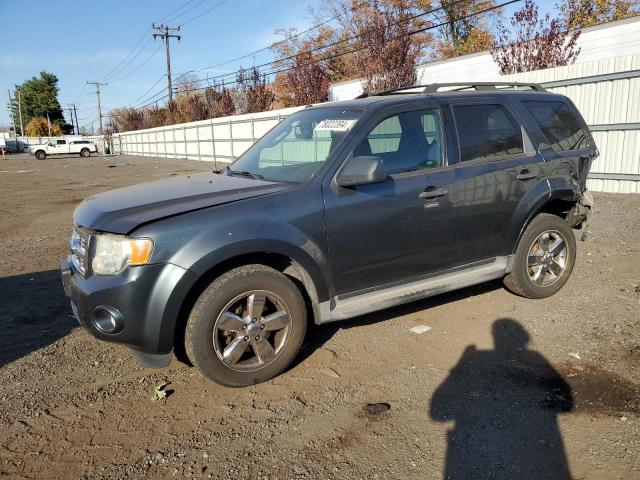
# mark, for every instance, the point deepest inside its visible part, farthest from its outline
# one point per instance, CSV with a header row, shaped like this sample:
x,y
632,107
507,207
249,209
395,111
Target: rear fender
x,y
528,208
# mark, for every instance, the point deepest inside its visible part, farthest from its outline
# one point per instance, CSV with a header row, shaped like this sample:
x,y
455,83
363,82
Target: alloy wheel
x,y
547,258
252,330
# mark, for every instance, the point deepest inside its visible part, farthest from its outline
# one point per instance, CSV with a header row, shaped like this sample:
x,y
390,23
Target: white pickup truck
x,y
84,148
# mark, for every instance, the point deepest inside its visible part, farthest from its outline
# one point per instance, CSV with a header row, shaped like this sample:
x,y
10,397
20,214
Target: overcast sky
x,y
85,40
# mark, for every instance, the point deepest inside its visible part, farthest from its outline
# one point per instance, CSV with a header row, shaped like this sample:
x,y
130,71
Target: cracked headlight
x,y
113,253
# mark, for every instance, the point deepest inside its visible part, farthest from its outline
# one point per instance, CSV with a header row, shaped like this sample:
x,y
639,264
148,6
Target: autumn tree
x,y
532,42
382,39
253,93
463,26
585,13
304,72
40,127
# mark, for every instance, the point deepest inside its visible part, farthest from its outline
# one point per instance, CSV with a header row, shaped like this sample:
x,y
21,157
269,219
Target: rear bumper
x,y
146,301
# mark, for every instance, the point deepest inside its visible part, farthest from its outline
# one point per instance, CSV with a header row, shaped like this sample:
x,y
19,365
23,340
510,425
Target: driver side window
x,y
406,142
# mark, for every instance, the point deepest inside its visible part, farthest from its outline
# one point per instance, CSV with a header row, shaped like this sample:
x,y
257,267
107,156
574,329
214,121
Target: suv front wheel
x,y
544,258
246,327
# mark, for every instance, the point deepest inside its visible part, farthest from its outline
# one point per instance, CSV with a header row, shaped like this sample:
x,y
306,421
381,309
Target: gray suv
x,y
341,209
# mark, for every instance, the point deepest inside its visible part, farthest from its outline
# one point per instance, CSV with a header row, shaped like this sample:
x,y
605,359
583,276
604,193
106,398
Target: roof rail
x,y
461,86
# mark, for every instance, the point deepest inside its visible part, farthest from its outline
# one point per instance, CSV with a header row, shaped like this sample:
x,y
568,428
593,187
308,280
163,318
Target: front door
x,y
401,229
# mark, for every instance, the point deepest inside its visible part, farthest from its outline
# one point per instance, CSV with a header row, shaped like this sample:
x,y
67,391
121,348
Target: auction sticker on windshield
x,y
335,125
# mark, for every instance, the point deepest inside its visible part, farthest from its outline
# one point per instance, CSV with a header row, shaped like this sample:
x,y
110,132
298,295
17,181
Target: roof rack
x,y
460,87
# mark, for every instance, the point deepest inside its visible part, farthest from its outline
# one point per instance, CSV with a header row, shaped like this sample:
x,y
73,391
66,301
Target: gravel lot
x,y
526,389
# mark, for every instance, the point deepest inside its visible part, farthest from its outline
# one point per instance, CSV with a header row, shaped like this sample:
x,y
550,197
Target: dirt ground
x,y
524,389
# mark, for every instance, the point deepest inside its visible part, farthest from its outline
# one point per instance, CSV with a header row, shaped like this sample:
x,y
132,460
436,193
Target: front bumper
x,y
148,298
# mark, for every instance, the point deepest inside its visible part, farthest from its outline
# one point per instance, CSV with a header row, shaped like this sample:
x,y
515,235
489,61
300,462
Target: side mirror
x,y
362,171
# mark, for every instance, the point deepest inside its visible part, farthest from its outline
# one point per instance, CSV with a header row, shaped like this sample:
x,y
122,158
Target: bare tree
x,y
534,43
255,94
219,101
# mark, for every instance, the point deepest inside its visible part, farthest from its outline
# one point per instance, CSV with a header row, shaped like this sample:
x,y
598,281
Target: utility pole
x,y
13,117
76,114
97,84
20,112
164,33
71,115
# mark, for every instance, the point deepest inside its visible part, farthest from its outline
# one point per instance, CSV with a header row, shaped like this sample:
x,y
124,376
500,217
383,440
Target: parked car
x,y
84,148
341,209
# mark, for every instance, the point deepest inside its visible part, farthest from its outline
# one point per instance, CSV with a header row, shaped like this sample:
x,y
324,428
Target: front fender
x,y
306,254
200,241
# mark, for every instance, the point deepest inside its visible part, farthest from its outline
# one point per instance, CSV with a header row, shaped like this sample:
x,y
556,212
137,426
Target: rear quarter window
x,y
559,125
487,132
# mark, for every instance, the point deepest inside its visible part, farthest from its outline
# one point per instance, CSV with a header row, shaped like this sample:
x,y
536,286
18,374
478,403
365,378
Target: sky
x,y
112,42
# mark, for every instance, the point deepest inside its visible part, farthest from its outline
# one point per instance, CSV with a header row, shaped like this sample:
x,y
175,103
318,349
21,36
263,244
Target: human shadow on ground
x,y
504,404
34,313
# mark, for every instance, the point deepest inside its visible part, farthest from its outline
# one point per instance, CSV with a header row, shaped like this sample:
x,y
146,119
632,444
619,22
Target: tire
x,y
534,274
40,155
84,153
220,327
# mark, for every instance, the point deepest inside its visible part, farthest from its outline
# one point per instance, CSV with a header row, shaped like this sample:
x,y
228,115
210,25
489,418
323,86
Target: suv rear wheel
x,y
40,155
544,258
246,327
85,152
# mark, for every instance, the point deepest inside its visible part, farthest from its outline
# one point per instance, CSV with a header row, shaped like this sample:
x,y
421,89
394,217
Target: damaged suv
x,y
341,209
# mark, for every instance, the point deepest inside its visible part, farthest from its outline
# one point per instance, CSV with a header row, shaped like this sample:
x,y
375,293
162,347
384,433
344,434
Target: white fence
x,y
220,140
607,92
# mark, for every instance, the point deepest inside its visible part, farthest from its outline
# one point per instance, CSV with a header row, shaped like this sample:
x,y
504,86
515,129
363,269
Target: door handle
x,y
432,192
525,174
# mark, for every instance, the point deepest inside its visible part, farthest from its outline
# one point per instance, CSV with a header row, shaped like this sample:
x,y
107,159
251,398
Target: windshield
x,y
298,146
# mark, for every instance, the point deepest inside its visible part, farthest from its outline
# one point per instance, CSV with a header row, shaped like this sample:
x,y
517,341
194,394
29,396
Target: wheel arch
x,y
311,287
541,199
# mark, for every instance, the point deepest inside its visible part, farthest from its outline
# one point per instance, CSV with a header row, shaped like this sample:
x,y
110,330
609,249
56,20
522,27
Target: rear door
x,y
497,167
401,229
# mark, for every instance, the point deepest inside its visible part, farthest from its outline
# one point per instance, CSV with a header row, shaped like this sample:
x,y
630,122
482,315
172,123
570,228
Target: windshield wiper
x,y
244,173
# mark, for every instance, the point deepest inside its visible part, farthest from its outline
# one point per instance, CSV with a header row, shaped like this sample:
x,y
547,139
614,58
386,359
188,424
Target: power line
x,y
117,67
203,13
168,17
147,91
129,62
144,62
250,54
353,37
337,55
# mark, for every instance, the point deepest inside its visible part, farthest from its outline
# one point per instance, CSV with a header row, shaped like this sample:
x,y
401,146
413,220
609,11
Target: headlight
x,y
115,252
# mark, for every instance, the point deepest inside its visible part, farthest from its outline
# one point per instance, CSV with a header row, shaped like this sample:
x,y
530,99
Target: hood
x,y
122,210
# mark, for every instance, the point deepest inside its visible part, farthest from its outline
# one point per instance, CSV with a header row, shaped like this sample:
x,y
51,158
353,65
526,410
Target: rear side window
x,y
62,142
560,127
486,132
